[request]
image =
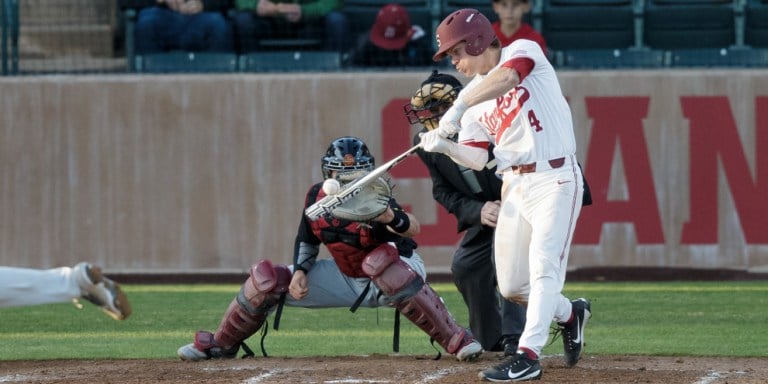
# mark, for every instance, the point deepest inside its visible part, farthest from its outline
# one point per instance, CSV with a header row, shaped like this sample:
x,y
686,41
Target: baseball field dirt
x,y
384,369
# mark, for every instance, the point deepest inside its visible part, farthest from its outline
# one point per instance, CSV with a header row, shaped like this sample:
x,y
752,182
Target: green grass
x,y
677,318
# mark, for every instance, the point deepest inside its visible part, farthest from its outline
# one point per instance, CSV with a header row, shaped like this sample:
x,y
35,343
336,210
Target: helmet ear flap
x,y
477,45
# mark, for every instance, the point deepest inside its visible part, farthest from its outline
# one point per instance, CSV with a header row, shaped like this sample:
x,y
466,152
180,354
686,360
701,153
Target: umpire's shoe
x,y
519,367
573,331
205,348
101,291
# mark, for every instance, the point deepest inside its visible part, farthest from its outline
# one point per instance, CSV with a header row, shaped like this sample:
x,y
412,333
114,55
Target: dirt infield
x,y
384,369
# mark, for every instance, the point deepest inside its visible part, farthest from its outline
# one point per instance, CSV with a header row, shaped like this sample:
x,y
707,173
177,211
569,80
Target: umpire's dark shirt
x,y
451,189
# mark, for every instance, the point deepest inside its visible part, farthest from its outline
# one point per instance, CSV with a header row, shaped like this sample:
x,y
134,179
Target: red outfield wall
x,y
207,173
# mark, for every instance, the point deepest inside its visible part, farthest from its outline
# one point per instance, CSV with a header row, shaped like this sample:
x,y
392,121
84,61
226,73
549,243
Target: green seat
x,y
613,59
756,23
719,58
689,24
290,44
484,6
3,40
291,61
189,62
9,39
588,24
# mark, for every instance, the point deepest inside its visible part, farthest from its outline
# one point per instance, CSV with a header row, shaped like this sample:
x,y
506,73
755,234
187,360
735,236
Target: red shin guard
x,y
257,297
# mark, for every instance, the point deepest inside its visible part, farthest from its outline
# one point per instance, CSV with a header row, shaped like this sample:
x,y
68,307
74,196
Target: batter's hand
x,y
449,123
298,288
432,141
489,214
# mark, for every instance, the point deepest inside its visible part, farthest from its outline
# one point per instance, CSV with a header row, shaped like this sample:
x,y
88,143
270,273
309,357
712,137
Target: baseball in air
x,y
331,186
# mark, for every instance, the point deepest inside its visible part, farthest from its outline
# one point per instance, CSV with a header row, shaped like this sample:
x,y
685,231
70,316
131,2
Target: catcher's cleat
x,y
190,353
101,291
204,348
573,331
470,352
518,367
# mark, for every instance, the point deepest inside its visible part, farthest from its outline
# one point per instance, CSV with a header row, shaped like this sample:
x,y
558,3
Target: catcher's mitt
x,y
370,202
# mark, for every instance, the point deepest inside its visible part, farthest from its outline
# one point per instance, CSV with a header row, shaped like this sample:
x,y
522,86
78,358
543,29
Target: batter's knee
x,y
514,293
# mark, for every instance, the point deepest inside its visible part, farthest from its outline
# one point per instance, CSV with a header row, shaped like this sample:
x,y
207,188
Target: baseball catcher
x,y
373,264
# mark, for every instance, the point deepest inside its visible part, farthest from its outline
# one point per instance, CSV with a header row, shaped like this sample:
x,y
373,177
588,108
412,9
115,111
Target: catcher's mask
x,y
436,95
348,156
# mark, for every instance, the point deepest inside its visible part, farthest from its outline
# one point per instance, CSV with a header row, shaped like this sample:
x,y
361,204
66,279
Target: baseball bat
x,y
328,203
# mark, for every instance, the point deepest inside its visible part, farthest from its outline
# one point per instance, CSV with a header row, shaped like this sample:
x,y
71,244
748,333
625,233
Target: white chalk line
x,y
713,376
17,378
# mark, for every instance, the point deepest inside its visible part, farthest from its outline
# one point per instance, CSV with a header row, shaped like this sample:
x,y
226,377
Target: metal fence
x,y
98,36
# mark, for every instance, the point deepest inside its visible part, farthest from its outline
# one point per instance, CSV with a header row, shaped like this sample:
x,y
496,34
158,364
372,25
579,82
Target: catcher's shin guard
x,y
415,299
257,297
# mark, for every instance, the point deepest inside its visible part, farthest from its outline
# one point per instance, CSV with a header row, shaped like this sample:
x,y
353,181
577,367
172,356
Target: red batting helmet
x,y
468,25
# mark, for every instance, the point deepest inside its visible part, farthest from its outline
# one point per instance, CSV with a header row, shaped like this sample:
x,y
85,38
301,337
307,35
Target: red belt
x,y
530,168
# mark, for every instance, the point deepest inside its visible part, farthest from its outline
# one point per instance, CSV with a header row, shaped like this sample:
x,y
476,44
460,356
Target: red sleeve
x,y
523,66
477,144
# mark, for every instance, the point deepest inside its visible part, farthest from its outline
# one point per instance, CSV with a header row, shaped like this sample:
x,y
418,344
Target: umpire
x,y
473,197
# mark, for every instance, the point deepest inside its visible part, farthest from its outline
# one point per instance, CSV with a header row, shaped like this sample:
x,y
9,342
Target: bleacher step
x,y
56,28
37,41
77,12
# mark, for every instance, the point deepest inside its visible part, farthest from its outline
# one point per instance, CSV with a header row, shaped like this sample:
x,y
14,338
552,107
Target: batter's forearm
x,y
497,84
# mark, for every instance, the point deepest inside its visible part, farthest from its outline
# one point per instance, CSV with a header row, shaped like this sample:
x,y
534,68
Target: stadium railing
x,y
581,35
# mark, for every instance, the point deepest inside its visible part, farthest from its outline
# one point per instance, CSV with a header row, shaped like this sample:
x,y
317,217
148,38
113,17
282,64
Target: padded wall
x,y
168,173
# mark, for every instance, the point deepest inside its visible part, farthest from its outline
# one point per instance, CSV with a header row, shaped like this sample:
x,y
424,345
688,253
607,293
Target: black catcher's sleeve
x,y
306,246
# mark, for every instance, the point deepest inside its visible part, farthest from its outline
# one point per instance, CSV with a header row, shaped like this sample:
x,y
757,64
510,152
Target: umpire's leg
x,y
475,277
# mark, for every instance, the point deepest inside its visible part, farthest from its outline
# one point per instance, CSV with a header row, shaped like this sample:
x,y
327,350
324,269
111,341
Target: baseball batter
x,y
373,264
515,102
473,197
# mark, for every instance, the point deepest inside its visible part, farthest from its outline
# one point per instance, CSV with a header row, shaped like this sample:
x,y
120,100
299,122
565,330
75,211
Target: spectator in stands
x,y
261,19
186,25
511,26
392,41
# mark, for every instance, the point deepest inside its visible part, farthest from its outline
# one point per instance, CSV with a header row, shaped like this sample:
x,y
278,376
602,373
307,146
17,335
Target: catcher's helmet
x,y
468,25
429,103
347,154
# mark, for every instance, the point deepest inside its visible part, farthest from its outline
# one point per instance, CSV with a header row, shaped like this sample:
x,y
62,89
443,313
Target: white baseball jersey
x,y
531,123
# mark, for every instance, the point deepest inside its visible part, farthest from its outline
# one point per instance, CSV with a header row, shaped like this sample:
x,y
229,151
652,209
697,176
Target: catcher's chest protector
x,y
347,242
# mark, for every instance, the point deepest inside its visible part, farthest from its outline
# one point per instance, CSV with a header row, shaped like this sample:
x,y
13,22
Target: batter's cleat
x,y
573,331
204,348
101,291
518,367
